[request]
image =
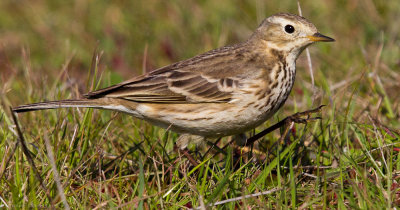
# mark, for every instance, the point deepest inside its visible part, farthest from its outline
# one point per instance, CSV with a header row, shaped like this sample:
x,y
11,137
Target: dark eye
x,y
289,29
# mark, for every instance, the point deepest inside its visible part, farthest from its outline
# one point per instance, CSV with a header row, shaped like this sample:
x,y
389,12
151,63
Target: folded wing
x,y
207,78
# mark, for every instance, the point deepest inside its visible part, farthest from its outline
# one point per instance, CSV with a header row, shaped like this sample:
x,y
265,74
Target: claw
x,y
297,118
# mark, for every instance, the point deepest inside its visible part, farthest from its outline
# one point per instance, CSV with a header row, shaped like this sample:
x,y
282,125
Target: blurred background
x,y
50,39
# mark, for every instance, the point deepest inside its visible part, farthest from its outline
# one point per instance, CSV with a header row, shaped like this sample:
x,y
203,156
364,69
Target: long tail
x,y
88,103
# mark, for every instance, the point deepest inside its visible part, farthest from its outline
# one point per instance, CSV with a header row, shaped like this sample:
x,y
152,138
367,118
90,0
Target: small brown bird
x,y
222,92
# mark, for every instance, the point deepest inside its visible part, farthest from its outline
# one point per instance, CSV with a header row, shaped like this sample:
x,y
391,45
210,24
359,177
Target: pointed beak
x,y
317,37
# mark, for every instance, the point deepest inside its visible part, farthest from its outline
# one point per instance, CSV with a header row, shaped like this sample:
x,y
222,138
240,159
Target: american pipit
x,y
222,92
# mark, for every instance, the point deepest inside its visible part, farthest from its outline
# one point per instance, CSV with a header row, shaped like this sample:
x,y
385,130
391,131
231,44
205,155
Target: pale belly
x,y
210,119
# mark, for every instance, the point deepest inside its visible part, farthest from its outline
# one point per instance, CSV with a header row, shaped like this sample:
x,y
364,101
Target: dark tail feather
x,y
88,103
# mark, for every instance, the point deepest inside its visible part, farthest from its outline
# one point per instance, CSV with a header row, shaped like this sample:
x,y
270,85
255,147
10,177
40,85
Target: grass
x,y
349,159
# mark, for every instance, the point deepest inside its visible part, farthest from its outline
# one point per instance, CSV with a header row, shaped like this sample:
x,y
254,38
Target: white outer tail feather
x,y
85,103
100,103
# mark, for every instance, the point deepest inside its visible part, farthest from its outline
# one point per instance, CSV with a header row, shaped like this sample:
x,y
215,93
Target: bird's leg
x,y
298,117
240,139
186,153
295,118
214,146
183,142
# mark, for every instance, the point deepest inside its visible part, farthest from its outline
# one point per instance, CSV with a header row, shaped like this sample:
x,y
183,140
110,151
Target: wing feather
x,y
190,81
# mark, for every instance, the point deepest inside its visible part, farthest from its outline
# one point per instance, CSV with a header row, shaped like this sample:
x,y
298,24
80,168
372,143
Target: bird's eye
x,y
289,29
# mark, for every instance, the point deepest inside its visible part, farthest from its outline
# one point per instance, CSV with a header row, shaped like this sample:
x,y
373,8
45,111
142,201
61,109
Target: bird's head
x,y
288,32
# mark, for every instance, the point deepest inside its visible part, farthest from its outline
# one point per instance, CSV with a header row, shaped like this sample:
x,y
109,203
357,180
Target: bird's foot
x,y
298,117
